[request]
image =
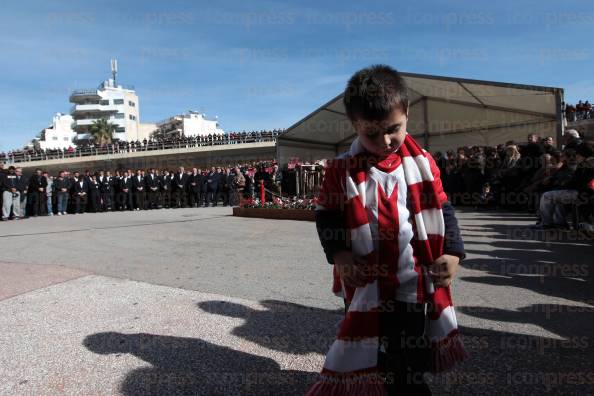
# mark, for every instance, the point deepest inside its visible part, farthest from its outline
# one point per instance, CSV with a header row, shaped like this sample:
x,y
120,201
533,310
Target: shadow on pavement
x,y
189,366
282,326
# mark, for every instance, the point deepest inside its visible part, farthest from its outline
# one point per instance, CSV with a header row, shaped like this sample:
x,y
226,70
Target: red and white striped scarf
x,y
399,233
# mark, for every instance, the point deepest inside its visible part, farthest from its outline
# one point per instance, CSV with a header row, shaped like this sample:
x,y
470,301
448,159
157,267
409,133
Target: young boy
x,y
386,225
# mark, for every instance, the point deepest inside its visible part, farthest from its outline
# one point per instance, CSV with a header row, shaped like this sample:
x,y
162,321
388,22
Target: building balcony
x,y
82,94
93,108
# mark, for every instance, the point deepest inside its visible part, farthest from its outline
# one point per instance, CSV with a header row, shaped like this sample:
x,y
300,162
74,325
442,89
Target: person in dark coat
x,y
153,185
80,192
125,188
195,187
165,184
37,188
105,191
62,188
111,181
180,184
212,186
139,190
23,189
94,194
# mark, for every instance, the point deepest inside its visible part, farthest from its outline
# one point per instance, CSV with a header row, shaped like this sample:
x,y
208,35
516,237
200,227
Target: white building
x,y
116,103
191,124
59,135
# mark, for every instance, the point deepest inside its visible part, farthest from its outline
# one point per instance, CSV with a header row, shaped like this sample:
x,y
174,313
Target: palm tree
x,y
102,131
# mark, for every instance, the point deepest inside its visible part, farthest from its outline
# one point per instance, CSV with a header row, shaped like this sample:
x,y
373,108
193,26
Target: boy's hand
x,y
351,273
443,269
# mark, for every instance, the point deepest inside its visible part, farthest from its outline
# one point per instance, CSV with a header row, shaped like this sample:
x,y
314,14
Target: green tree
x,y
102,131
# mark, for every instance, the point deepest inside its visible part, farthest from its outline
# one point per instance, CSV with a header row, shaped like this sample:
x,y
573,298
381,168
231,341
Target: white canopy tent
x,y
444,113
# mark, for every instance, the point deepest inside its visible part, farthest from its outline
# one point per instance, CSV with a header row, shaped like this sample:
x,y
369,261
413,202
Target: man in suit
x,y
125,192
111,182
23,189
165,183
195,181
3,173
80,192
153,185
104,191
37,188
212,186
94,194
139,186
180,183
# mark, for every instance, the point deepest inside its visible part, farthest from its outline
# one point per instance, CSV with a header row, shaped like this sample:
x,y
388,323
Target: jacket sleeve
x,y
330,216
453,244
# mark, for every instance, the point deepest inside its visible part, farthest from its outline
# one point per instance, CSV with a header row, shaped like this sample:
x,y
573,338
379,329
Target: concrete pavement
x,y
195,301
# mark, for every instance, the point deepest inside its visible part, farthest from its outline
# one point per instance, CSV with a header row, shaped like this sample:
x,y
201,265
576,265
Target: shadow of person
x,y
508,363
282,326
568,321
189,366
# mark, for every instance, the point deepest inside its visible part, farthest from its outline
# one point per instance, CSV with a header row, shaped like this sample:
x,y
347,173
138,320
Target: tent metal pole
x,y
559,112
426,122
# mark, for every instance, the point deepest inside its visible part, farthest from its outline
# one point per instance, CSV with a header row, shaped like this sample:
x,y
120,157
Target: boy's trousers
x,y
403,355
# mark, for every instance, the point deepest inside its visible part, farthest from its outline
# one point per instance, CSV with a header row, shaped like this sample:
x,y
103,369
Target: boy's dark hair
x,y
374,92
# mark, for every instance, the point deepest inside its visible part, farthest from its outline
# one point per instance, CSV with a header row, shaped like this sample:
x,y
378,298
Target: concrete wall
x,y
223,155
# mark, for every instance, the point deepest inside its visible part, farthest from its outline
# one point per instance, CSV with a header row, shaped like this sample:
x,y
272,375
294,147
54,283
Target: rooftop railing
x,y
132,147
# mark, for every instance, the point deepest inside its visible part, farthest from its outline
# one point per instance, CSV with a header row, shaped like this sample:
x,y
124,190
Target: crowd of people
x,y
153,143
43,194
581,111
534,176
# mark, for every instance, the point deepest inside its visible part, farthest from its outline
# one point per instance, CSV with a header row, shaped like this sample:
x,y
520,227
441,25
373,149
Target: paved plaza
x,y
196,301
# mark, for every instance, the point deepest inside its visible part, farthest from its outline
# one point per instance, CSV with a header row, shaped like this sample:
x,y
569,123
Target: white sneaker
x,y
59,214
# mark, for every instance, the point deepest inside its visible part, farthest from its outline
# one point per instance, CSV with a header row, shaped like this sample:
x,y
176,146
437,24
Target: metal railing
x,y
132,147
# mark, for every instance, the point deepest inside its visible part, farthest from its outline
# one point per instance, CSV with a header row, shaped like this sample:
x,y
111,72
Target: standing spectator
x,y
125,192
23,188
81,190
37,187
180,183
237,186
104,191
195,188
61,187
153,185
112,181
49,193
277,180
165,183
138,184
228,194
3,174
212,185
94,194
11,199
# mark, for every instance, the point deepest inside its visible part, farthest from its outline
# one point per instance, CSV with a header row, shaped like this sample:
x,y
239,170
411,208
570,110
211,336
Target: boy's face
x,y
382,137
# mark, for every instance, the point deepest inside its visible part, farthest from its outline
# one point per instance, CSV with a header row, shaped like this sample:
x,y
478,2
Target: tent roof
x,y
440,106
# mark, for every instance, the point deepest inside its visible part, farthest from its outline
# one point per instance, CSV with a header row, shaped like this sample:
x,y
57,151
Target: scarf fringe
x,y
365,385
446,353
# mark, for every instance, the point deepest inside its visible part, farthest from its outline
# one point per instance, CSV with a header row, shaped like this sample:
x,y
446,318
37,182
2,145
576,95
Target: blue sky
x,y
266,64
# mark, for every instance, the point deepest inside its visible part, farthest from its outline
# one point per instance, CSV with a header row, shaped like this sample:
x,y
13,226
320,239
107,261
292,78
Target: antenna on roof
x,y
114,70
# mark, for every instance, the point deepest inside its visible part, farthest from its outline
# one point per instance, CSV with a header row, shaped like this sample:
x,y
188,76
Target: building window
x,y
118,101
132,117
119,115
120,129
131,104
54,138
66,139
104,102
